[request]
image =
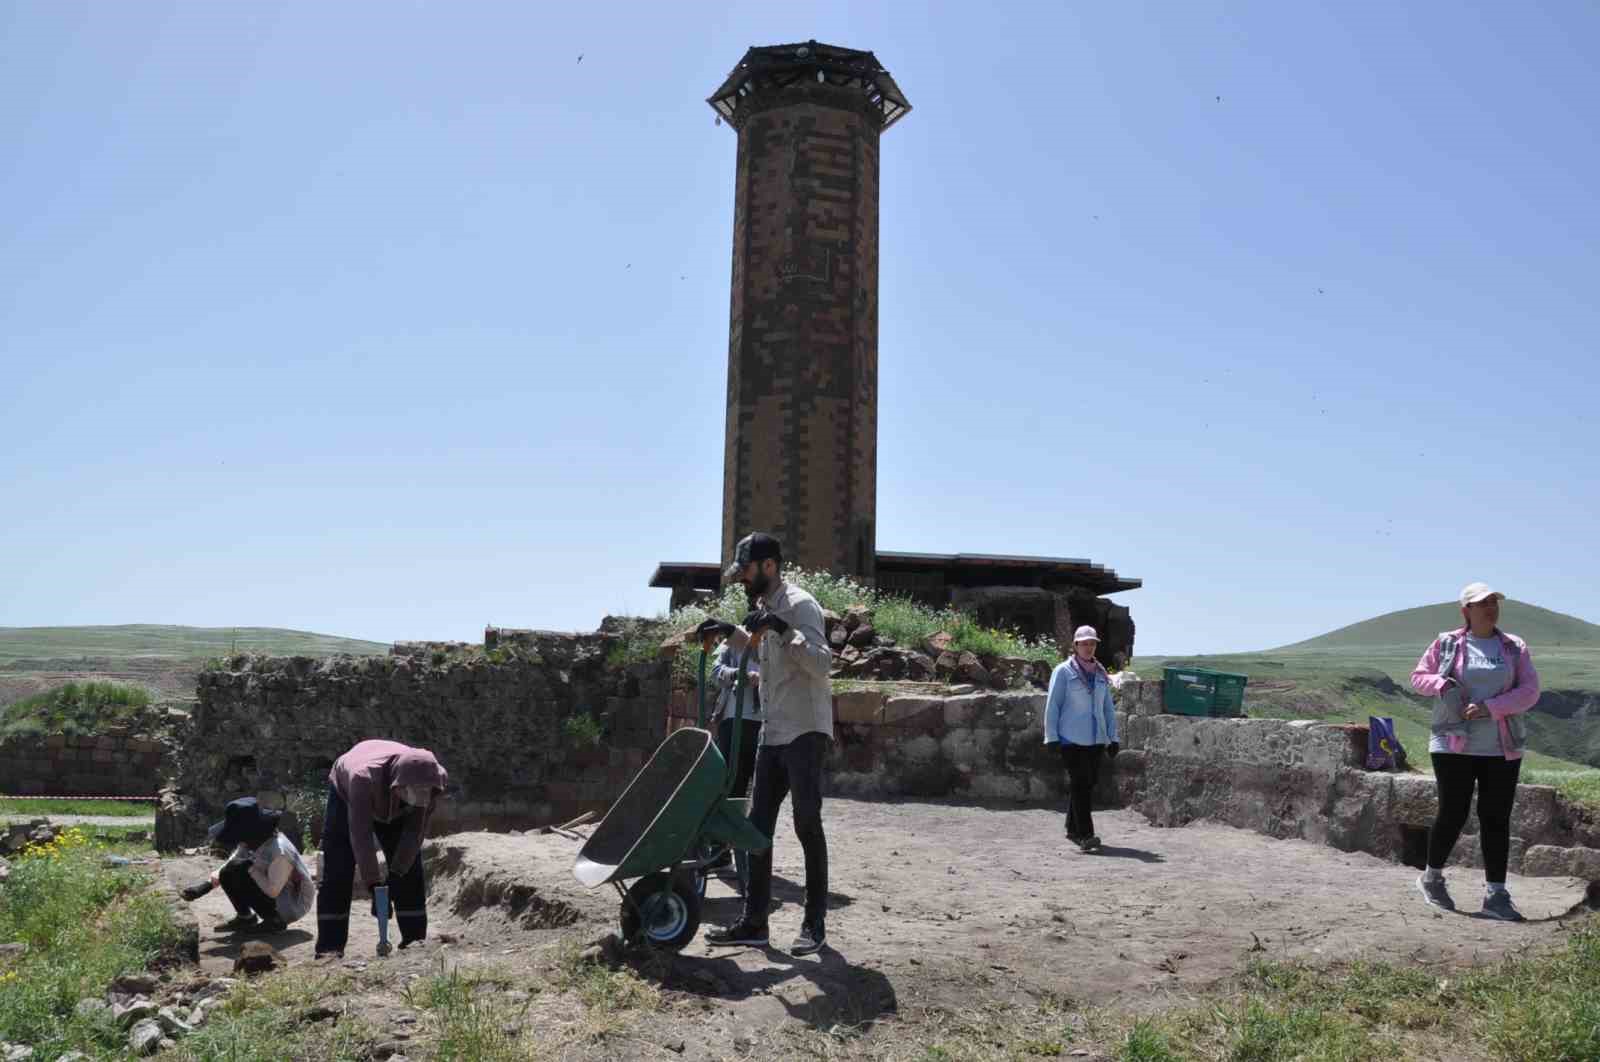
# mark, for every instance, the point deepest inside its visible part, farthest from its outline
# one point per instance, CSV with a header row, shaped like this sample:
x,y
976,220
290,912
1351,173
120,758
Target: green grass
x,y
469,1025
261,1021
1579,786
902,619
75,708
582,730
10,806
1145,1042
1542,1007
143,640
84,923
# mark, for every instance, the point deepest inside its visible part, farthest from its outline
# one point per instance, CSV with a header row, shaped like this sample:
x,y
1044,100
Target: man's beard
x,y
757,587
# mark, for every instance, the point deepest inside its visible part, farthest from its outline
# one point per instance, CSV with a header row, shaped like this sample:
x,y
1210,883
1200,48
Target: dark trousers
x,y
749,735
1495,777
247,897
1083,772
407,893
784,770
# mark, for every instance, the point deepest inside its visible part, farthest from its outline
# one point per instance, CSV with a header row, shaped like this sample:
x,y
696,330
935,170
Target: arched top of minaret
x,y
779,67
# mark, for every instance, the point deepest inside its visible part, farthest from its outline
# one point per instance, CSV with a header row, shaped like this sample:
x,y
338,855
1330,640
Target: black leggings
x,y
1083,774
246,895
1496,779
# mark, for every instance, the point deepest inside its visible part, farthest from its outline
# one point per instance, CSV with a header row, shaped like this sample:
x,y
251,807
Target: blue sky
x,y
396,320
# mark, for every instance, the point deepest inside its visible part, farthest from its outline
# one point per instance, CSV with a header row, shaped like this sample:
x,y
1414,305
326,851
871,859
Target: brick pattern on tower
x,y
802,429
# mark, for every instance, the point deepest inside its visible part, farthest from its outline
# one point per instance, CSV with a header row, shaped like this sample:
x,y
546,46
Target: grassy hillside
x,y
1542,628
142,640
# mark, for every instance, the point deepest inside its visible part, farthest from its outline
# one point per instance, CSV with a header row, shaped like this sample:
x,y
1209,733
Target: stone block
x,y
916,749
1020,710
55,741
104,756
1533,813
1025,750
1551,861
858,707
968,710
920,714
1135,731
1413,800
960,747
858,757
990,786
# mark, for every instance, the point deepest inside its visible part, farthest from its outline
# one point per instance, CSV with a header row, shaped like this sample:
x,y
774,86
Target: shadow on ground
x,y
823,990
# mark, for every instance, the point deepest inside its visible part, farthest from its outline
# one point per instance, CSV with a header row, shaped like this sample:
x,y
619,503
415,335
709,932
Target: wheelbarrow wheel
x,y
663,910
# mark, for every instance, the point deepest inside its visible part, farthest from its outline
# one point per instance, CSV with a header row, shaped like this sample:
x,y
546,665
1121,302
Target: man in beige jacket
x,y
794,658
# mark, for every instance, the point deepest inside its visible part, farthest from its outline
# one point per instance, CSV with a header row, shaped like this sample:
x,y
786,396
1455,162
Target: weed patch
x,y
83,923
76,708
906,621
469,1024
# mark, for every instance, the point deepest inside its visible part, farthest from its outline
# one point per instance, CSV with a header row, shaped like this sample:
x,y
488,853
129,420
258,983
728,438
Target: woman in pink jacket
x,y
1483,682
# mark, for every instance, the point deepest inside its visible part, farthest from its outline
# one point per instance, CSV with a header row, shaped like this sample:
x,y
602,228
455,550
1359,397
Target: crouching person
x,y
381,795
265,878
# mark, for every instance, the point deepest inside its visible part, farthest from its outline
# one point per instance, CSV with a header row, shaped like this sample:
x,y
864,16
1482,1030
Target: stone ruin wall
x,y
118,762
497,718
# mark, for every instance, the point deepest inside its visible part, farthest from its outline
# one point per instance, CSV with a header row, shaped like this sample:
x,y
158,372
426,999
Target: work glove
x,y
763,620
1112,749
197,890
708,627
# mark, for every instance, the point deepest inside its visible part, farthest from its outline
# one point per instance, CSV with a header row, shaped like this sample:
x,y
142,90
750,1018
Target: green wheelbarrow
x,y
669,826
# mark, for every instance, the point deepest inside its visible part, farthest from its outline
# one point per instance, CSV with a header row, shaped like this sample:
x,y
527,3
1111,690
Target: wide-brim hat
x,y
243,820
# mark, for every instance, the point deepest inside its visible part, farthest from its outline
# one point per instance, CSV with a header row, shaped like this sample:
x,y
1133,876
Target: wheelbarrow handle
x,y
741,684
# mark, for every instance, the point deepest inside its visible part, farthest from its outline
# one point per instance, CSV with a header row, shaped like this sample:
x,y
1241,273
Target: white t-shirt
x,y
277,867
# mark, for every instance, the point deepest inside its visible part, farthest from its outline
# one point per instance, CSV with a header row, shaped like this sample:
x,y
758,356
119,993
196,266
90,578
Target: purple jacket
x,y
366,778
1520,696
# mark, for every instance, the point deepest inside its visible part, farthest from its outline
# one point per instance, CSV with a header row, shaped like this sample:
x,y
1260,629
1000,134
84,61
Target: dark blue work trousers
x,y
408,896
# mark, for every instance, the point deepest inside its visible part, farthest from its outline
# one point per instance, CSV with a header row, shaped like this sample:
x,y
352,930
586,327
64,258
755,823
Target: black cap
x,y
243,820
756,546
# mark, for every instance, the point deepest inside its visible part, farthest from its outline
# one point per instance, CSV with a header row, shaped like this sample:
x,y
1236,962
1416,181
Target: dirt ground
x,y
936,906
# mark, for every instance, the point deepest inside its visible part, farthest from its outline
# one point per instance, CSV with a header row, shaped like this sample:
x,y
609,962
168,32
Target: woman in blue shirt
x,y
1080,717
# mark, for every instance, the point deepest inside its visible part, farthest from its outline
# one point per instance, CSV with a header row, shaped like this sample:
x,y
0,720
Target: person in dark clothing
x,y
381,795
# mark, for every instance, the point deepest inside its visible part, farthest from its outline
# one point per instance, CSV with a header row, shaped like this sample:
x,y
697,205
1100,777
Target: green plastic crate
x,y
1200,691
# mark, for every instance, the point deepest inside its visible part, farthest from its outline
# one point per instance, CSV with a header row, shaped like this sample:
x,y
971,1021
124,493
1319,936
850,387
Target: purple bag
x,y
1383,748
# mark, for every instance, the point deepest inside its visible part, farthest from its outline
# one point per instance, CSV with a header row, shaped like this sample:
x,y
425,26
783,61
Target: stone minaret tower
x,y
802,435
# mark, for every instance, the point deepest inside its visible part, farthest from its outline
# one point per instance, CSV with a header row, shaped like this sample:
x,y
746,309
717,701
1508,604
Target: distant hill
x,y
1365,668
145,641
1414,628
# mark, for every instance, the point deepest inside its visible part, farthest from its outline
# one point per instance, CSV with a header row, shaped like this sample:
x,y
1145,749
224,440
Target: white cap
x,y
1475,592
1084,634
